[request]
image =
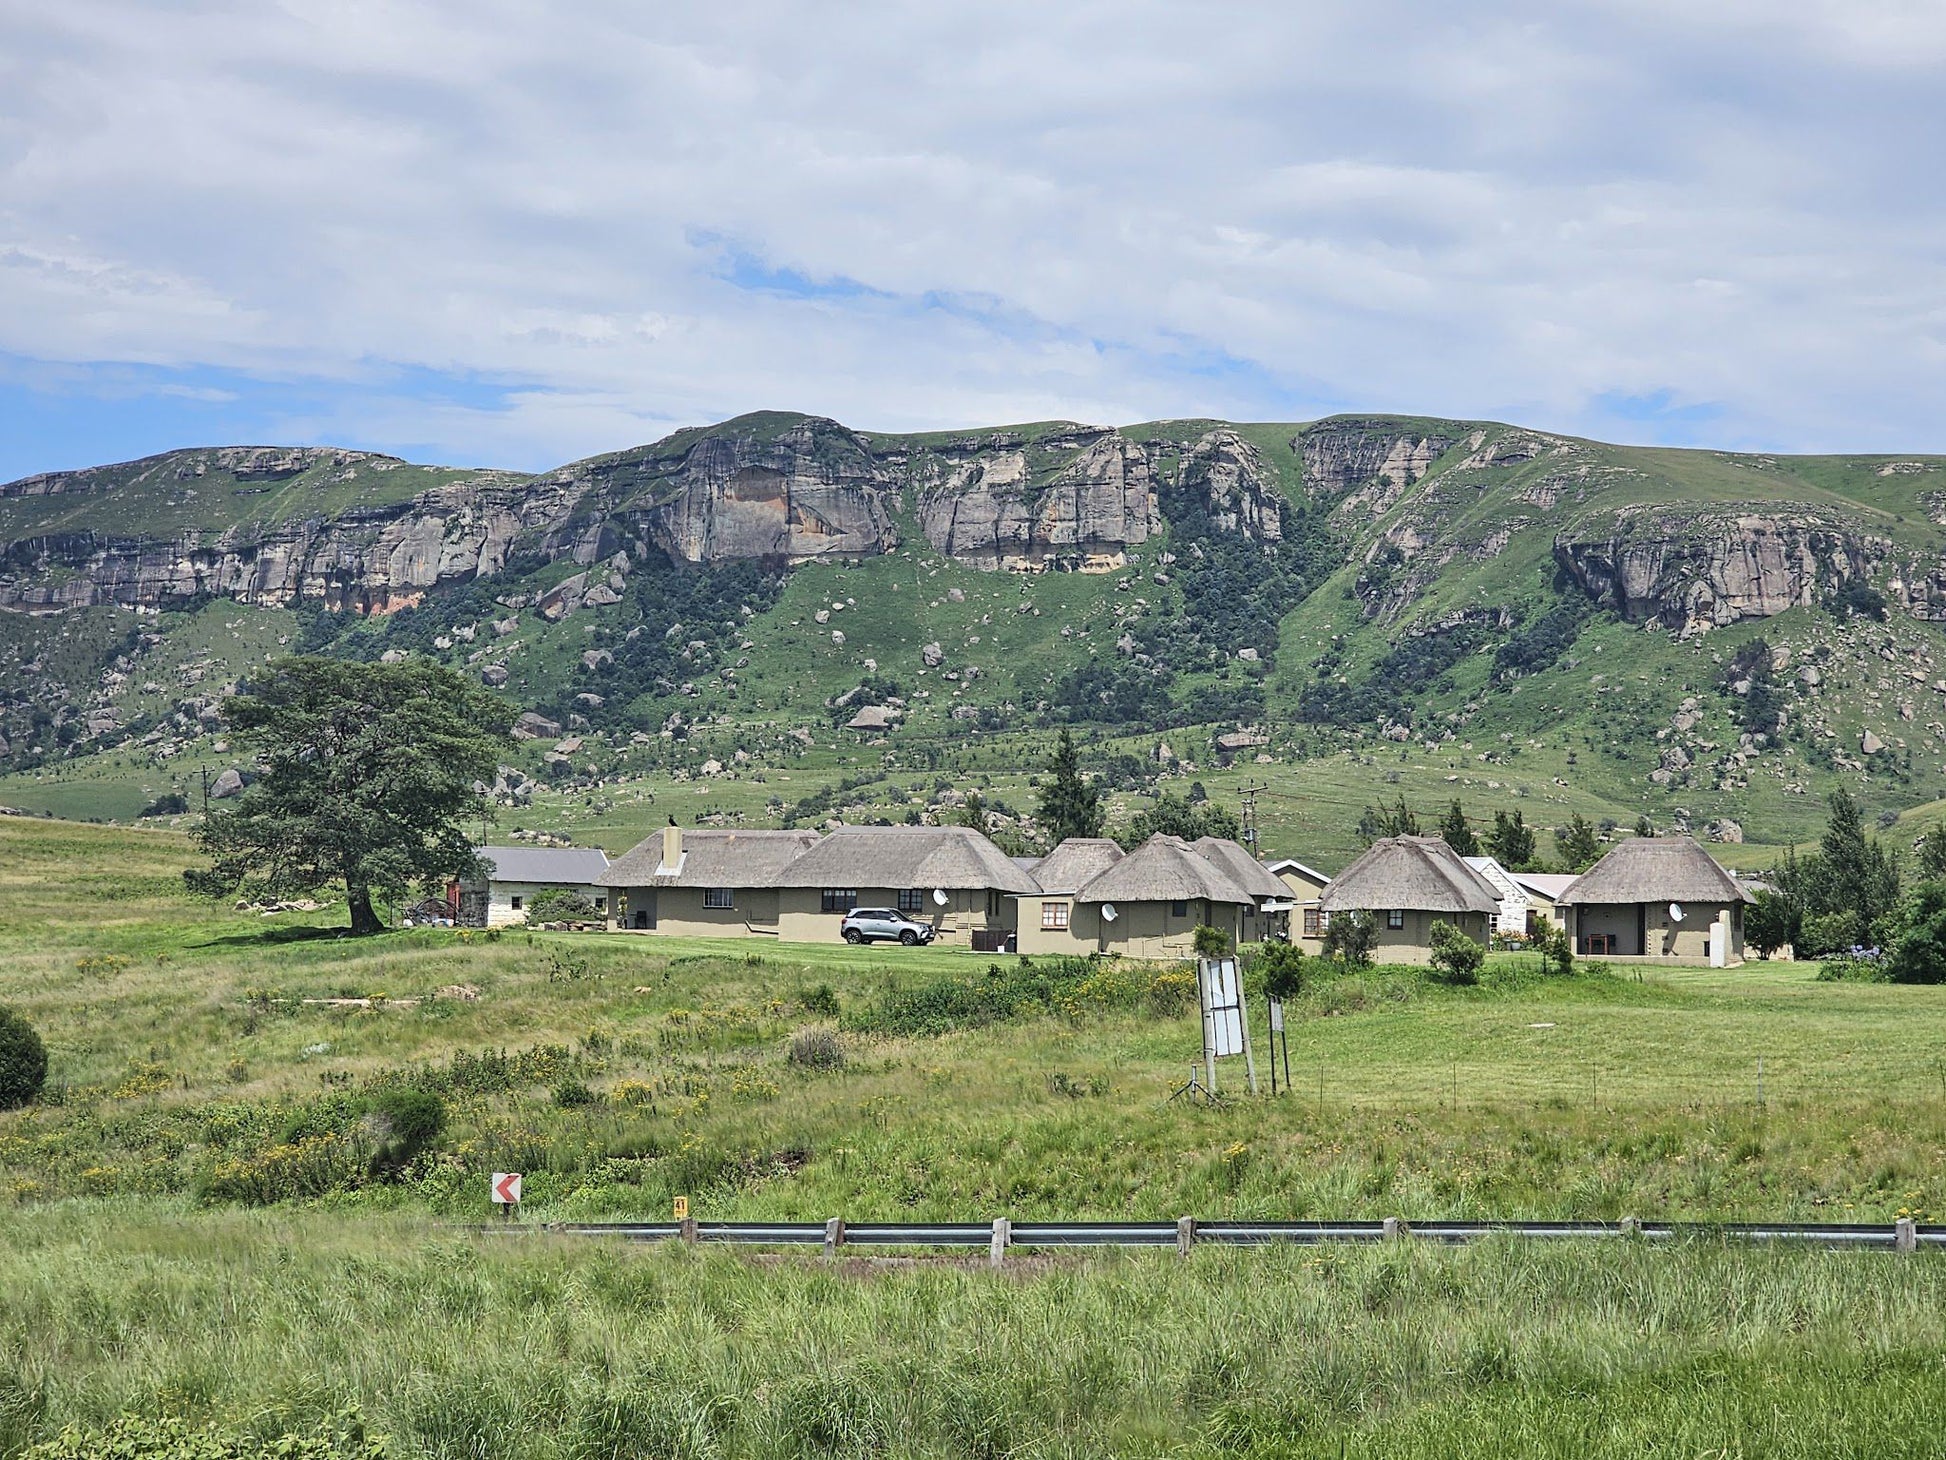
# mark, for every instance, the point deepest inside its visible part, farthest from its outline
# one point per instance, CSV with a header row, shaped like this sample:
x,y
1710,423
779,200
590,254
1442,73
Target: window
x,y
840,899
993,903
1178,909
1313,923
1054,915
912,900
1395,918
723,897
601,904
516,902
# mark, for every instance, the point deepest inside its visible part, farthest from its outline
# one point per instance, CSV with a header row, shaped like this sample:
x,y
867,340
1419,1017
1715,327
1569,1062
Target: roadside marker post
x,y
506,1192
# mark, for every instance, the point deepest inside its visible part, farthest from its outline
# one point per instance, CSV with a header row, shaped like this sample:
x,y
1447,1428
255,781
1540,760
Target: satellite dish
x,y
939,896
1675,912
1108,913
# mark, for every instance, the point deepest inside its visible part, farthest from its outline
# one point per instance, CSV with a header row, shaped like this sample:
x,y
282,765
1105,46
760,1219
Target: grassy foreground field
x,y
191,1046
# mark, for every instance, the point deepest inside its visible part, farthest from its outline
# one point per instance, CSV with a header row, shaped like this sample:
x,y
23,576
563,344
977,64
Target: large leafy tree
x,y
1854,872
368,775
1171,815
1069,806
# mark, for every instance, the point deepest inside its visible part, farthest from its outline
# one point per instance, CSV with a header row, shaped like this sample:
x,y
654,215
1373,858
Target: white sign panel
x,y
1223,1021
506,1188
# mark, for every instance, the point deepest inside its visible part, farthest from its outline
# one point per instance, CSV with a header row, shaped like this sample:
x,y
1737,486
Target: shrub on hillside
x,y
1556,948
23,1061
1211,942
1457,956
820,999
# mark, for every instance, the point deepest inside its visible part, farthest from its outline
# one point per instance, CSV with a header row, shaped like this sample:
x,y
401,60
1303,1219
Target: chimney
x,y
671,851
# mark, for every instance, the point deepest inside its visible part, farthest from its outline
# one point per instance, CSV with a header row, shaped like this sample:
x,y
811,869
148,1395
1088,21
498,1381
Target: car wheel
x,y
852,935
909,938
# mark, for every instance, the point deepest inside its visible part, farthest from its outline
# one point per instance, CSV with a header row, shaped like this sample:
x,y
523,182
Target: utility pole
x,y
205,771
1248,836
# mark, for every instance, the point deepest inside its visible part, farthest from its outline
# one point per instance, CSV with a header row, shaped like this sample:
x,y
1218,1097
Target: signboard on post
x,y
506,1188
682,1209
1223,1009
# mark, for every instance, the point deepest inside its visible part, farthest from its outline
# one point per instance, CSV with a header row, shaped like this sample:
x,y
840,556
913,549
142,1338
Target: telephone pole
x,y
1248,835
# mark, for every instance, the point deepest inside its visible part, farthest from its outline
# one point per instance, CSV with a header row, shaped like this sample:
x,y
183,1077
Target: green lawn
x,y
134,1276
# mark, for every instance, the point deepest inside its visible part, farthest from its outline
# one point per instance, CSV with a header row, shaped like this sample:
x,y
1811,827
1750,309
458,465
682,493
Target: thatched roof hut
x,y
1654,869
949,857
1165,869
1411,873
711,859
1245,870
1075,862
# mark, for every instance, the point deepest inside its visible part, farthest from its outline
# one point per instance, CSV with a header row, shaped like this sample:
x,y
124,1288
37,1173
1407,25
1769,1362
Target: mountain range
x,y
1714,633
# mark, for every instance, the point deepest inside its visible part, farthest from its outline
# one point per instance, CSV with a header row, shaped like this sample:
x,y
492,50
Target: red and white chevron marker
x,y
506,1188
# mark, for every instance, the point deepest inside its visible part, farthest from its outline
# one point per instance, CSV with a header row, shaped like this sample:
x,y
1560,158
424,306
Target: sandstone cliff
x,y
1695,569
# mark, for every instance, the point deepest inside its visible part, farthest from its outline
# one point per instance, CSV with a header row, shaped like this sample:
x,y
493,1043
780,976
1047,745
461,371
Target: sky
x,y
515,234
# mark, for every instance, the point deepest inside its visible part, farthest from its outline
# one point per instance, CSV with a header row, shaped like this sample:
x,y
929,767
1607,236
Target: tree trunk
x,y
363,918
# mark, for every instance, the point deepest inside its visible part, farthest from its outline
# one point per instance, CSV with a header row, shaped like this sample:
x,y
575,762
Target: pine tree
x,y
1454,831
1069,805
1859,874
1577,843
1511,842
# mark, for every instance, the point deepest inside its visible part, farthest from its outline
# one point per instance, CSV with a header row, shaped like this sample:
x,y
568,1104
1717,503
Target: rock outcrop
x,y
993,510
1692,570
1376,457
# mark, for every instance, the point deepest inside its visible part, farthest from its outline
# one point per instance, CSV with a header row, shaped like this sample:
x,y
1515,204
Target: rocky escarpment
x,y
1693,570
365,559
991,507
1371,460
767,486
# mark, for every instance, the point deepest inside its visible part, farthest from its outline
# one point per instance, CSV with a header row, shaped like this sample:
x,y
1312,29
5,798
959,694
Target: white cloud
x,y
915,215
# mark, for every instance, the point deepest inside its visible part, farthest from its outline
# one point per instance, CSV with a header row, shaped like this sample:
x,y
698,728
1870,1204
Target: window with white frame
x,y
719,897
1395,918
1054,915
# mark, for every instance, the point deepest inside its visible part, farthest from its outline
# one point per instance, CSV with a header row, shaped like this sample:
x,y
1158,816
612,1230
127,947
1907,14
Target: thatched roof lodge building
x,y
1146,904
1408,883
1657,897
798,885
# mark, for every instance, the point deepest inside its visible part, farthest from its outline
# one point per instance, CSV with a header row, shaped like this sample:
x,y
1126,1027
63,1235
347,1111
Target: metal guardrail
x,y
1002,1234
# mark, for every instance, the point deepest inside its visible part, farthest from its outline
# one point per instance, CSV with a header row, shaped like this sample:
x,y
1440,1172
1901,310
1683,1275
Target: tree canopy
x,y
1454,831
368,774
1511,842
1171,815
1069,805
1577,843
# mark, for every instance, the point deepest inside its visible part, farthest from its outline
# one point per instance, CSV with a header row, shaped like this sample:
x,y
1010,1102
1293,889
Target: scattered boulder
x,y
534,726
494,675
933,654
229,784
1870,743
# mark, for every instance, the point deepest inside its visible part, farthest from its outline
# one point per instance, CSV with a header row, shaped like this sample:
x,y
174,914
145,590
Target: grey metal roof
x,y
1309,874
1415,873
1165,869
713,858
1654,869
570,866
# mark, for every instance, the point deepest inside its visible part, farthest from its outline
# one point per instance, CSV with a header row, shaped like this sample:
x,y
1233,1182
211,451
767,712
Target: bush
x,y
1456,955
559,905
1211,942
817,1049
820,1000
1847,968
573,1095
1350,938
1832,933
23,1061
403,1123
1556,948
131,1437
1282,967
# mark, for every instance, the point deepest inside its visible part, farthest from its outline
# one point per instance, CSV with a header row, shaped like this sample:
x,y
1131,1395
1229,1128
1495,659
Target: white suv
x,y
876,924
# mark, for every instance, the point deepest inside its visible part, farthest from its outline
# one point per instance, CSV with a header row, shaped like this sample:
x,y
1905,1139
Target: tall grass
x,y
462,1347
